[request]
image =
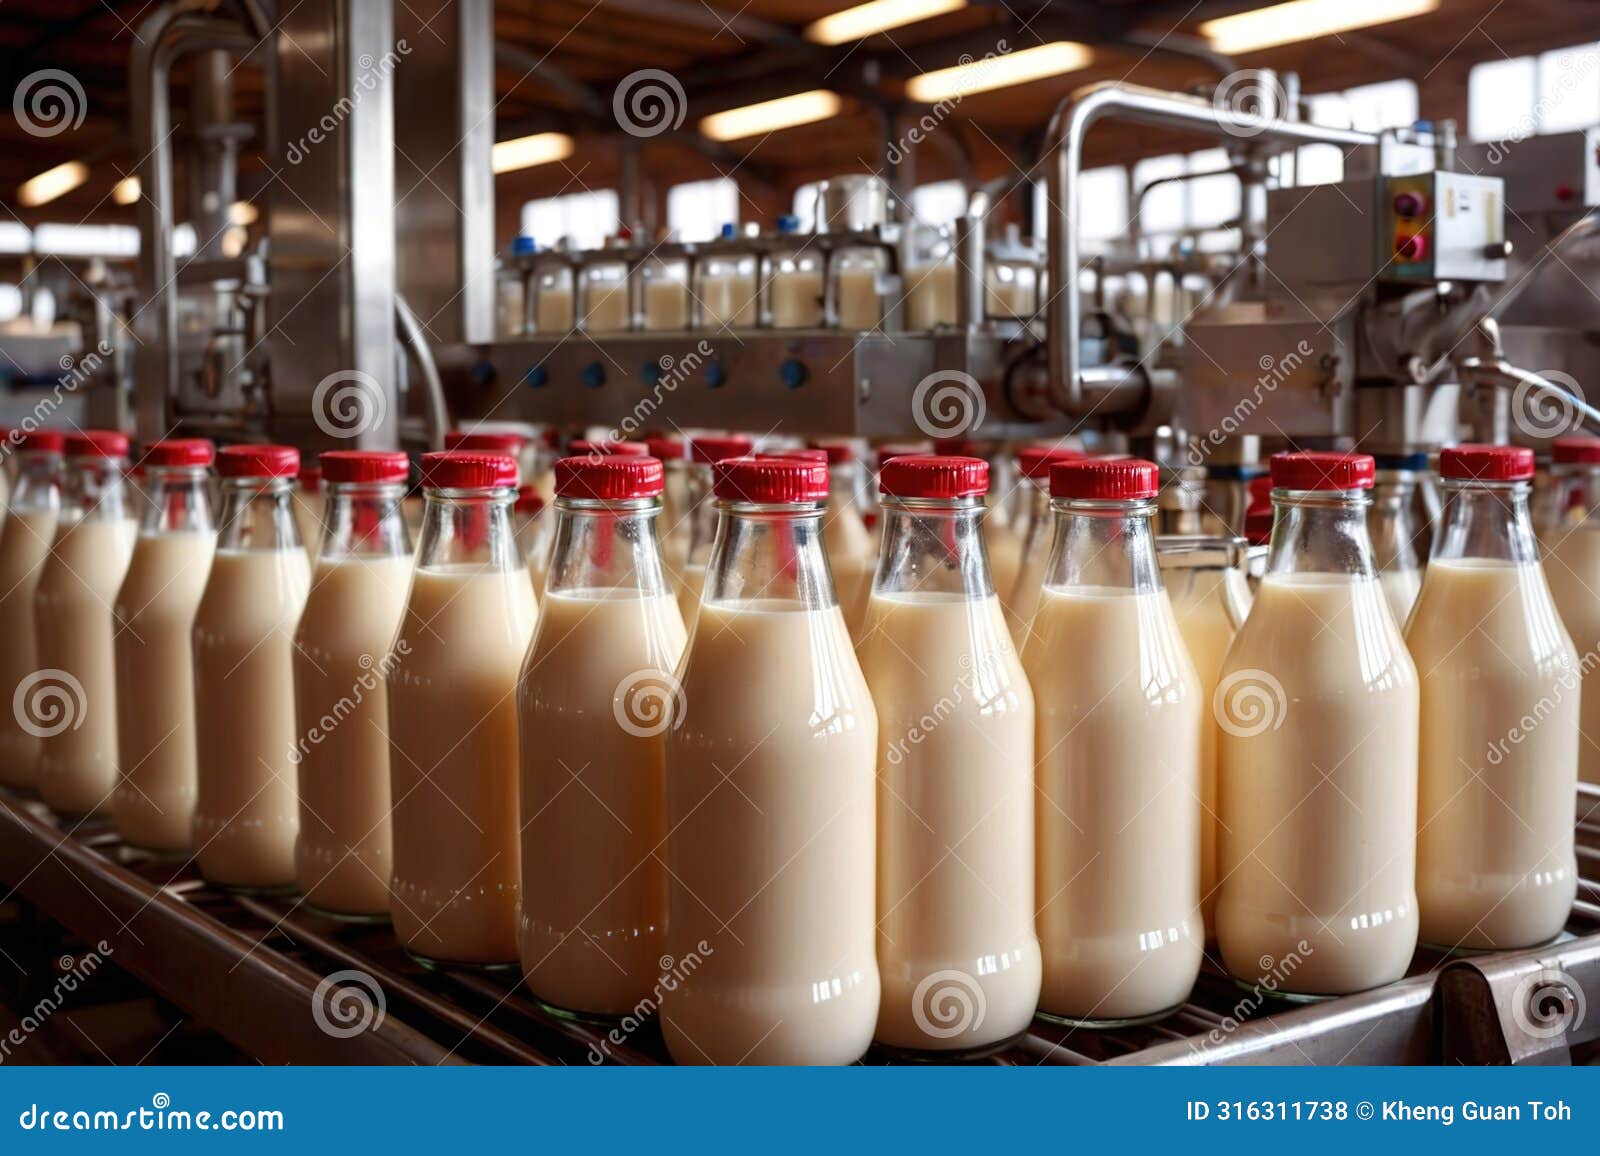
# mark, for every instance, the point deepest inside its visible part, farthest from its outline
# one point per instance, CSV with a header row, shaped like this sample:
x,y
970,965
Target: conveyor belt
x,y
250,967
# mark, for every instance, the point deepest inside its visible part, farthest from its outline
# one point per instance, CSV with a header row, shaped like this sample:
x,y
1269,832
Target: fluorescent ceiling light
x,y
126,191
878,16
243,213
1305,20
527,151
1000,71
52,183
772,115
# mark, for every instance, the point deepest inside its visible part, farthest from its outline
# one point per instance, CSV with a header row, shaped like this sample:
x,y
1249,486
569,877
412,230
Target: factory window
x,y
88,240
1103,215
1369,108
696,211
1556,91
588,218
10,302
15,237
1209,198
938,203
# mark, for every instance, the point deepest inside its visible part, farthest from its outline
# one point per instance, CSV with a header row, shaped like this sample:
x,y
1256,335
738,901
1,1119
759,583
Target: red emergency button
x,y
1412,248
1409,205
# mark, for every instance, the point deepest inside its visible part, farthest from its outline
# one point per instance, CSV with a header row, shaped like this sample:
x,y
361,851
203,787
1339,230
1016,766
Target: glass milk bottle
x,y
535,534
309,504
704,452
1572,567
1317,759
453,718
342,652
1393,535
155,610
664,296
1118,774
852,549
30,527
794,281
594,700
247,813
672,527
770,794
957,953
1206,583
1496,867
857,272
1029,545
75,627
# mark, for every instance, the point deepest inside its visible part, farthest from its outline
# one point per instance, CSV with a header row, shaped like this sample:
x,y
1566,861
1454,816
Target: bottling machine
x,y
1431,295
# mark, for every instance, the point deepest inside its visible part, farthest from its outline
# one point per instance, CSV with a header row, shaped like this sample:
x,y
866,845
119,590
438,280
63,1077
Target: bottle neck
x,y
703,517
179,501
1321,532
363,520
94,490
1389,522
257,515
535,533
770,554
934,547
607,546
38,485
468,528
1486,520
1104,544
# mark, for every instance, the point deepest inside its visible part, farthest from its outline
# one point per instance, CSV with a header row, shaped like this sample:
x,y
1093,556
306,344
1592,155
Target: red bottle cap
x,y
1575,448
1260,490
258,461
47,441
180,452
1258,526
1035,461
838,450
667,449
806,455
957,448
715,447
96,443
1105,479
488,441
1322,470
898,450
770,481
529,500
467,470
608,448
934,476
372,466
310,477
609,477
1486,463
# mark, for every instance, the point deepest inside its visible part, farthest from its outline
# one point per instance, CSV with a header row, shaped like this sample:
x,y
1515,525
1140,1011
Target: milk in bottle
x,y
342,653
1572,567
1496,866
453,718
155,609
37,703
672,527
770,794
247,811
594,700
1118,772
955,773
1031,539
1394,538
1317,759
704,451
535,534
75,627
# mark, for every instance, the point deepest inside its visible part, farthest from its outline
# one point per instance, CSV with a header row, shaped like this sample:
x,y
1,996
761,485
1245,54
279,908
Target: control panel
x,y
1442,226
